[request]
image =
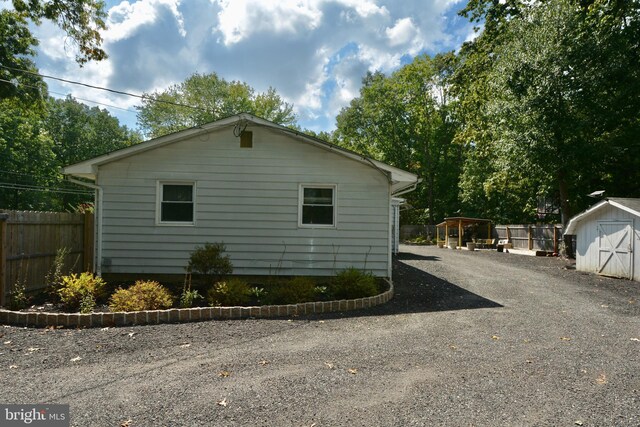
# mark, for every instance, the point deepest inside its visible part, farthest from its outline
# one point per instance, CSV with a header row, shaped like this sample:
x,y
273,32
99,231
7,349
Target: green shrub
x,y
296,290
353,283
143,295
77,292
189,297
230,292
210,261
258,294
18,298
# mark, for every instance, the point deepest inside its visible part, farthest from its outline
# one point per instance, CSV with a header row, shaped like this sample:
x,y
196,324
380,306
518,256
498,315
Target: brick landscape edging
x,y
183,315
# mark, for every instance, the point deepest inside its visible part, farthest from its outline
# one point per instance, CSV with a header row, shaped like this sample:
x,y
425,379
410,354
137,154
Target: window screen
x,y
318,205
176,204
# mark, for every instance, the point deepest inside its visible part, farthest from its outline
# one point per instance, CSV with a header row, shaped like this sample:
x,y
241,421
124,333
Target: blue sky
x,y
313,52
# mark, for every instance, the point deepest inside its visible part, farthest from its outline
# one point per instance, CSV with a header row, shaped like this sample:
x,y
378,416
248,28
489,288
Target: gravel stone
x,y
470,339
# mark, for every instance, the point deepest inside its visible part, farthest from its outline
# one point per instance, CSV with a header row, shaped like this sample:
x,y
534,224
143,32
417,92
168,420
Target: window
x,y
176,202
317,205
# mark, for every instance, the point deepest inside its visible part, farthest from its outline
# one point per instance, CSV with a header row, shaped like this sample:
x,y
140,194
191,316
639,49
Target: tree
x,y
82,20
553,106
16,48
204,98
27,160
407,120
79,132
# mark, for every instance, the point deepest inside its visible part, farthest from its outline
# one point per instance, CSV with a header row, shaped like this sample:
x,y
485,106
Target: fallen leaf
x,y
13,367
578,423
495,337
7,342
224,374
632,301
76,359
223,402
131,334
602,379
126,423
353,371
186,345
453,347
565,338
329,365
263,362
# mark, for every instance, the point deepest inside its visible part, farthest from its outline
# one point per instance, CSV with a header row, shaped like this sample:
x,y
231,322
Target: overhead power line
x,y
13,186
119,92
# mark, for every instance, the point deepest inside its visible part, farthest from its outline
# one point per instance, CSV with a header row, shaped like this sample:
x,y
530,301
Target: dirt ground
x,y
470,339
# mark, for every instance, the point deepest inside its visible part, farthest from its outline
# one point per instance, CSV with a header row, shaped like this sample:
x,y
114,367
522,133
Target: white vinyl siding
x,y
250,201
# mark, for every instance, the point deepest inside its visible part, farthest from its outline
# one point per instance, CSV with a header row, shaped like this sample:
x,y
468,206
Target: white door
x,y
614,249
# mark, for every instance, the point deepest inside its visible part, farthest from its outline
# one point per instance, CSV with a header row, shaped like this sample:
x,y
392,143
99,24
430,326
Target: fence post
x,y
555,240
3,257
530,238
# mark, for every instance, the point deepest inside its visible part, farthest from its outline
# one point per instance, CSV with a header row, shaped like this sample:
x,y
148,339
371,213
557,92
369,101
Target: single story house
x,y
608,238
281,201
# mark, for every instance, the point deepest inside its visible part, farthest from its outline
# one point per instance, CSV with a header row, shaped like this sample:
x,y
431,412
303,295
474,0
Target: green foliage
x,y
258,294
81,20
549,106
212,98
35,143
407,120
210,261
143,295
231,292
18,298
296,290
76,291
353,283
189,297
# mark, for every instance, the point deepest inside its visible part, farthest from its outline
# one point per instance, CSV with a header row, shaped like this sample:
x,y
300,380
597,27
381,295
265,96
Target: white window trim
x,y
301,188
159,184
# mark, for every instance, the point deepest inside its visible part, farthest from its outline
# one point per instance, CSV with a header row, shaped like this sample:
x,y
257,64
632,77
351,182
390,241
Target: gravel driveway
x,y
471,339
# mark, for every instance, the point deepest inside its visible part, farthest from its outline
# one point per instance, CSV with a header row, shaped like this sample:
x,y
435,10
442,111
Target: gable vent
x,y
246,139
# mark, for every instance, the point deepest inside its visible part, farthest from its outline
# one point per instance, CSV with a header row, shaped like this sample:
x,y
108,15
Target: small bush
x,y
258,294
77,292
143,295
294,291
189,297
18,298
231,292
210,261
353,283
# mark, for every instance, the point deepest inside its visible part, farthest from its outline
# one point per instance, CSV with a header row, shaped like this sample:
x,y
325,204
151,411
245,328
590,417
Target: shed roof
x,y
400,180
630,205
462,220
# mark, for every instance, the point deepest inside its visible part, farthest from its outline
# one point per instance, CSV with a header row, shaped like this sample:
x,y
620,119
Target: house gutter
x,y
98,252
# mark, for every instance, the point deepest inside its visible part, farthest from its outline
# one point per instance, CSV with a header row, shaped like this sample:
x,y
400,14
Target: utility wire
x,y
119,92
69,94
12,186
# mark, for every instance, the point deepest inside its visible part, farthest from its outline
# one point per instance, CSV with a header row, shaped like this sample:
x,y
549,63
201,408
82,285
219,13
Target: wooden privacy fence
x,y
29,242
534,237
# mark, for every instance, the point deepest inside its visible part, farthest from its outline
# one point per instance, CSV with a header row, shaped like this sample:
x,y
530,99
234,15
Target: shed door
x,y
614,249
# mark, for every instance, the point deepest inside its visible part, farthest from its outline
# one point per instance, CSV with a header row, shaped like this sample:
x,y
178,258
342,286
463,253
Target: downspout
x,y
98,252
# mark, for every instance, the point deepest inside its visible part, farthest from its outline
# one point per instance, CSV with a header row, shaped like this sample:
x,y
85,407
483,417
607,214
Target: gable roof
x,y
626,204
400,179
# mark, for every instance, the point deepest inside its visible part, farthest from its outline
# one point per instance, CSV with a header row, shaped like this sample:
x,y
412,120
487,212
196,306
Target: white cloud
x,y
126,18
313,52
239,19
402,32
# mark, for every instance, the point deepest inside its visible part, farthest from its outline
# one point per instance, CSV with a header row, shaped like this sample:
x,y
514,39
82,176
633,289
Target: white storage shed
x,y
608,238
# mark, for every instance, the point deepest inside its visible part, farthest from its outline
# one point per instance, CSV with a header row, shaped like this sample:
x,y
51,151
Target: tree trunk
x,y
565,207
